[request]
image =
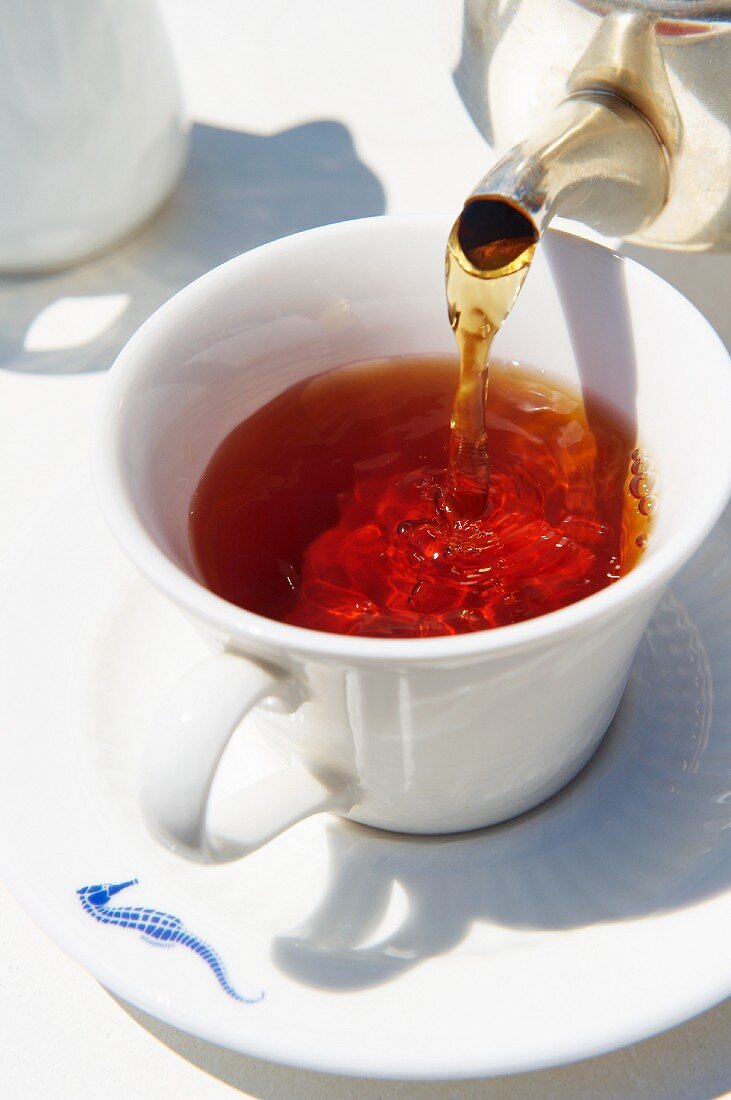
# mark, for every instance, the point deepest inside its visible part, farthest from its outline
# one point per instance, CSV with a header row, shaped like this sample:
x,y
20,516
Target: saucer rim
x,y
289,1049
297,1054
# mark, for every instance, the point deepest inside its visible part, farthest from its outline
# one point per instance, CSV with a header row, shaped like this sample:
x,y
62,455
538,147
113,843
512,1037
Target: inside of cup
x,y
365,290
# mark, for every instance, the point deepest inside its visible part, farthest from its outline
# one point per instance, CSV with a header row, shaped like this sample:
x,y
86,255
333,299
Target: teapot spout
x,y
599,161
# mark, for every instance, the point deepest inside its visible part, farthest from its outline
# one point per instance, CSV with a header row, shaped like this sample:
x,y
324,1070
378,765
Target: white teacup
x,y
425,735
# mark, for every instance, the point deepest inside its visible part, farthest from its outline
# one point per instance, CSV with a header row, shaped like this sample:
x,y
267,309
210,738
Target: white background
x,y
252,71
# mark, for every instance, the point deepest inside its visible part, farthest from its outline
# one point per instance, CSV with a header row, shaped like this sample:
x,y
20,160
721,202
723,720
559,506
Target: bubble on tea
x,y
641,466
419,589
647,506
641,485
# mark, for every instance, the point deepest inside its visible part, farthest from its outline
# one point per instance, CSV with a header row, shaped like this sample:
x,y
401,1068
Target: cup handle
x,y
183,751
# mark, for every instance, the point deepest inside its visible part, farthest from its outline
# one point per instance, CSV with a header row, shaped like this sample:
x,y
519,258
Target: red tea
x,y
329,507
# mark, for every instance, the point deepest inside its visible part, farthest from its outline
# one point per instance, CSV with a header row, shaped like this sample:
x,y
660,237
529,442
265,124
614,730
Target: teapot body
x,y
516,61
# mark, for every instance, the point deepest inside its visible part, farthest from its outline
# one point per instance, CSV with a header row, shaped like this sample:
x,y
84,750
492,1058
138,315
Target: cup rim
x,y
262,633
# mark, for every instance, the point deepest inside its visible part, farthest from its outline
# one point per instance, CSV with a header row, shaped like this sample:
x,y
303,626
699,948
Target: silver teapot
x,y
617,112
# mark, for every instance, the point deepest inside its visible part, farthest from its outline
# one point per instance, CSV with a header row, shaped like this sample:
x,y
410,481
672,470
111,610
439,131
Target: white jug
x,y
92,131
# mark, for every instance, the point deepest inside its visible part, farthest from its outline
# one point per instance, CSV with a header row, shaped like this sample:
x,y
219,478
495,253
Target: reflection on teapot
x,y
620,109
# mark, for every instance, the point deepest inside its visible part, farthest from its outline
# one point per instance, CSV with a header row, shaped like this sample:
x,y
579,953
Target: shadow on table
x,y
239,190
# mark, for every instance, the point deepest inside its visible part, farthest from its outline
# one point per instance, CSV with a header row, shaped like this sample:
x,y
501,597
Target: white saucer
x,y
595,921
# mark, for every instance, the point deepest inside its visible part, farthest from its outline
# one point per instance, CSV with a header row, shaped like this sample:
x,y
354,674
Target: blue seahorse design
x,y
156,927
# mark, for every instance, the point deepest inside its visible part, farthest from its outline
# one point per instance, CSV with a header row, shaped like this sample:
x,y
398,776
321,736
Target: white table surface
x,y
305,112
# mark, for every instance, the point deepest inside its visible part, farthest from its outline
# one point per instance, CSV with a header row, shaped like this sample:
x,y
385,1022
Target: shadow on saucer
x,y
239,190
643,829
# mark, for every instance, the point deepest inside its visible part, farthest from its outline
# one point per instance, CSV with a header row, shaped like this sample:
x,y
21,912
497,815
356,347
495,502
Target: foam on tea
x,y
331,506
